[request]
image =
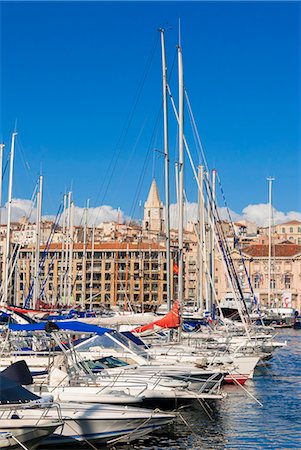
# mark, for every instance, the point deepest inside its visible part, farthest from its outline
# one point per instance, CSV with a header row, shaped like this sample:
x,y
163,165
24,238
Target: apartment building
x,y
109,274
285,281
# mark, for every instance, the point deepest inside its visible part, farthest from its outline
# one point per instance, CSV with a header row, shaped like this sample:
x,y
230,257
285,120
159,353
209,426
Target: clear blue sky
x,y
83,81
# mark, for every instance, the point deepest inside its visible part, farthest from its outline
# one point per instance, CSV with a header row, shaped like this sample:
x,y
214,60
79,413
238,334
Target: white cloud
x,y
224,214
20,208
258,213
190,214
97,215
25,208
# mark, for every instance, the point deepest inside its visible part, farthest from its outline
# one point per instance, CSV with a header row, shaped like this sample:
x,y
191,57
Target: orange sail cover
x,y
171,320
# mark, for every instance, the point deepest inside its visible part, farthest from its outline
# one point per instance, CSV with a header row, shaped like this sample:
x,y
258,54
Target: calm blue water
x,y
238,421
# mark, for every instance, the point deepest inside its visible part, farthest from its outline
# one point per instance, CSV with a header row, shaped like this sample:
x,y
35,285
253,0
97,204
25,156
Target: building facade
x,y
285,281
126,266
126,275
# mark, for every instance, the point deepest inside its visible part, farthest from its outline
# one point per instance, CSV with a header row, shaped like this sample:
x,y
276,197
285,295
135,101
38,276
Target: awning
x,y
72,326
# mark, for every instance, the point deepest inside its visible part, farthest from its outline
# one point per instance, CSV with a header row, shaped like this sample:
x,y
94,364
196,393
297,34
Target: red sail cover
x,y
171,320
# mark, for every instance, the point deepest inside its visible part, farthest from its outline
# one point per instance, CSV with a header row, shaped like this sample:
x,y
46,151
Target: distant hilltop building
x,y
153,211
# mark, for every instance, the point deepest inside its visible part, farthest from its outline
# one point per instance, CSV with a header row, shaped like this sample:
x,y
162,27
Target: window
x,y
272,283
283,230
287,281
291,230
299,229
257,281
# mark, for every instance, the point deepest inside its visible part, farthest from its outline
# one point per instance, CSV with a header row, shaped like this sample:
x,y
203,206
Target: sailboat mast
x,y
62,274
177,186
201,237
38,243
84,271
212,241
71,242
1,175
270,180
92,266
181,181
166,167
9,207
66,280
209,238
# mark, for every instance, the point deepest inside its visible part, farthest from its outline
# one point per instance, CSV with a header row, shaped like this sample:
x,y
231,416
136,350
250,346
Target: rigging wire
x,y
228,211
222,246
44,256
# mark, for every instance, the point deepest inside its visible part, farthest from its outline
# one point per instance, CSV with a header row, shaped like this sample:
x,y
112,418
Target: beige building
x,y
290,231
285,281
115,273
127,265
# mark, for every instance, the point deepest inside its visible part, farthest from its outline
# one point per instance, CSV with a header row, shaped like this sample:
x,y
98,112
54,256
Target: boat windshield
x,y
109,362
113,340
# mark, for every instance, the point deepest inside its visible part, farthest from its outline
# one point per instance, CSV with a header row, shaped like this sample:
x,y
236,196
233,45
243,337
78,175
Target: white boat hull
x,y
14,430
102,423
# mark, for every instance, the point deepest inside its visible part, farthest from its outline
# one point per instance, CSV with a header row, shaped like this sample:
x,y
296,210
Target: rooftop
x,y
278,250
291,222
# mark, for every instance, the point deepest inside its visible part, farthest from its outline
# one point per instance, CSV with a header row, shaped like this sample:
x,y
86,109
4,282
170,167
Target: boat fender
x,y
41,402
203,362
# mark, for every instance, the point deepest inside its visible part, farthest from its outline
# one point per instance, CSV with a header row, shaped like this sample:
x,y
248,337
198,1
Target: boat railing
x,y
211,385
18,411
112,381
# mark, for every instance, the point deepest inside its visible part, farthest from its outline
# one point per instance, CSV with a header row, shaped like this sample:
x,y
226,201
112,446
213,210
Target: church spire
x,y
153,211
153,199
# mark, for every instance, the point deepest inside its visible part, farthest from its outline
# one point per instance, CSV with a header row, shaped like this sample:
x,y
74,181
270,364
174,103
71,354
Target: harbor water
x,y
237,421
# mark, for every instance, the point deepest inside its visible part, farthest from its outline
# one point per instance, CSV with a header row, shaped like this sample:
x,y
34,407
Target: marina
x,y
197,409
238,422
164,324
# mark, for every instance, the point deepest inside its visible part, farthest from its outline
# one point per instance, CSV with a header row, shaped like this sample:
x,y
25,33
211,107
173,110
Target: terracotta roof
x,y
239,224
291,222
278,250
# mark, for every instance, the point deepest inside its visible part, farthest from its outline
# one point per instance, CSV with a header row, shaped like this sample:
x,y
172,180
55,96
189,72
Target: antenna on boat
x,y
179,31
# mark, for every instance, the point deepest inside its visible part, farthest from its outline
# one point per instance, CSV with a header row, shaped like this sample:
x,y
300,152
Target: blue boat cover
x,y
72,325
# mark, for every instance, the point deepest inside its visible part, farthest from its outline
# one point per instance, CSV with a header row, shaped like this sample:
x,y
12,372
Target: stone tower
x,y
153,211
